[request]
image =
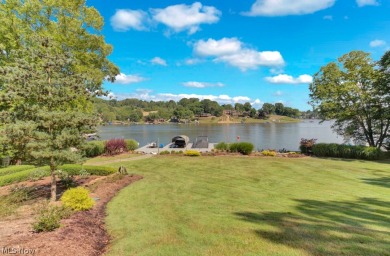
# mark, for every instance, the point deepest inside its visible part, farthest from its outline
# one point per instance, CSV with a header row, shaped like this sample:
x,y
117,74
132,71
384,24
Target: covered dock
x,y
180,141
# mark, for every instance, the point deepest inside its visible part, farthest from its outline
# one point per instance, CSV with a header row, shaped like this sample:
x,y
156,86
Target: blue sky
x,y
235,51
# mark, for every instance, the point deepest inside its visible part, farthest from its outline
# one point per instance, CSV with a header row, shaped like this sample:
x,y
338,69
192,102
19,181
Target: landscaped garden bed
x,y
82,233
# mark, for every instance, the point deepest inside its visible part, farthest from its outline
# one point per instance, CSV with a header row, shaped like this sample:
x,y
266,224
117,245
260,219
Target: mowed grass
x,y
252,206
100,160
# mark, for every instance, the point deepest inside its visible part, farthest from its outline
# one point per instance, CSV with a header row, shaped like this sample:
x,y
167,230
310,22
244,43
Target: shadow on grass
x,y
382,181
380,161
359,227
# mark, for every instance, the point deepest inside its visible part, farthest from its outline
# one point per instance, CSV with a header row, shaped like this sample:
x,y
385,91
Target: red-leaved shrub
x,y
115,146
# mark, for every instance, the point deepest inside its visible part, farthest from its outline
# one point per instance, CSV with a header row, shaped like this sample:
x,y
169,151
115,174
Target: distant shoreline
x,y
215,120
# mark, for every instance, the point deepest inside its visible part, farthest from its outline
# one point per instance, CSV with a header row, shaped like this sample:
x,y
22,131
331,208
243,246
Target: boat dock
x,y
154,150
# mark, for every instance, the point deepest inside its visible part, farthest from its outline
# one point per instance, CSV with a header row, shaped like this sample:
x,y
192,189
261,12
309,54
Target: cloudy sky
x,y
235,51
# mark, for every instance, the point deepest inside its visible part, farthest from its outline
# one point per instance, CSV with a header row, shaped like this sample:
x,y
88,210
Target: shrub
x,y
371,153
268,153
165,152
346,151
222,146
84,174
306,145
115,146
66,179
18,176
37,174
191,153
77,199
21,194
244,148
49,218
94,148
75,169
14,169
131,145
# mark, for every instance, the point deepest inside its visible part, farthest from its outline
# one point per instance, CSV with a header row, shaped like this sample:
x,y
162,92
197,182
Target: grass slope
x,y
252,206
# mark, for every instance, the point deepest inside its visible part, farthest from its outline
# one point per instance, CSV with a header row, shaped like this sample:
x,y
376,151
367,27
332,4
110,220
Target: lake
x,y
263,136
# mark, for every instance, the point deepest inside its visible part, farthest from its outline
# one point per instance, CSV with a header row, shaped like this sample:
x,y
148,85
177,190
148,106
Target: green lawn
x,y
252,206
101,160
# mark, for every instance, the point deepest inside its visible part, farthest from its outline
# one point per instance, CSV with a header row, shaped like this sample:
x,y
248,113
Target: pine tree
x,y
50,68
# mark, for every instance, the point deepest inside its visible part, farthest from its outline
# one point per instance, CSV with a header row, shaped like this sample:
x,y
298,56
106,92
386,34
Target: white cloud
x,y
287,79
158,61
251,59
362,3
288,7
256,103
192,61
328,17
278,93
213,47
148,95
128,79
195,84
377,43
124,20
183,17
232,52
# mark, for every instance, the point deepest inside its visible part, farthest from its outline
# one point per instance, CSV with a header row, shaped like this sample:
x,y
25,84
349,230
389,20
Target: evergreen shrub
x,y
244,148
131,145
346,151
77,199
94,148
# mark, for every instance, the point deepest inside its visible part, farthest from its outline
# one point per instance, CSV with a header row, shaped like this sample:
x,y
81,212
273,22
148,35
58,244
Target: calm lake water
x,y
263,136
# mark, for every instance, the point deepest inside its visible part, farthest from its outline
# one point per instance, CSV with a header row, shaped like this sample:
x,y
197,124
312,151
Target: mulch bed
x,y
83,233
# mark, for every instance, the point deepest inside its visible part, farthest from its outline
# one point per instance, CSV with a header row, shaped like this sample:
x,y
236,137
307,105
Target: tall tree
x,y
247,106
52,63
355,92
279,108
268,108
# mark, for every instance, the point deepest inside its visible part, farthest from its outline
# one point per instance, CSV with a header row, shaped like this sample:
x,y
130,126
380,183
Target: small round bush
x,y
77,199
222,146
268,153
115,147
191,153
94,148
131,145
244,148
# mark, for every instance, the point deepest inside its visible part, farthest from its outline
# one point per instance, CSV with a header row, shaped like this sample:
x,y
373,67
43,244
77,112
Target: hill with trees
x,y
135,110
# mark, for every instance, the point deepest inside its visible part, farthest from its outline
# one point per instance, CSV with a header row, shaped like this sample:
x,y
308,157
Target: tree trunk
x,y
53,187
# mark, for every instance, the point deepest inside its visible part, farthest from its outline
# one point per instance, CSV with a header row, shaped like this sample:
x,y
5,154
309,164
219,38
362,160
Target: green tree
x,y
355,92
247,106
183,113
279,108
52,64
239,107
268,109
253,113
135,115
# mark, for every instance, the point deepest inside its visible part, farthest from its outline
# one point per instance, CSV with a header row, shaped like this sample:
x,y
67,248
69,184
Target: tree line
x,y
133,110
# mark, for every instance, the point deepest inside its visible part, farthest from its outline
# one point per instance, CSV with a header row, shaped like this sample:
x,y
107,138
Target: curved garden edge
x,y
83,233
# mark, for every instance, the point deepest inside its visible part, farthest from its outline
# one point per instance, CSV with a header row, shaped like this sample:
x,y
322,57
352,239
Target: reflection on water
x,y
263,136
